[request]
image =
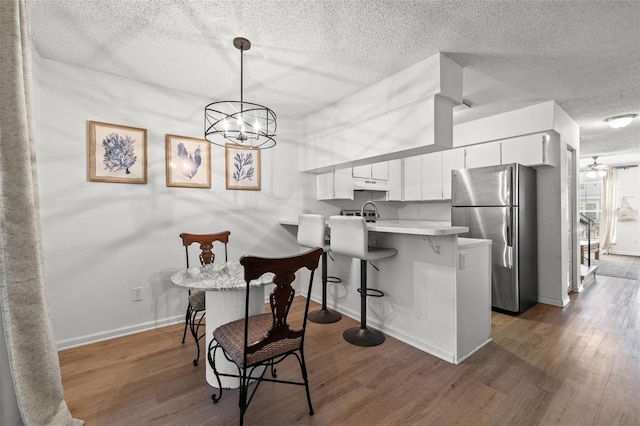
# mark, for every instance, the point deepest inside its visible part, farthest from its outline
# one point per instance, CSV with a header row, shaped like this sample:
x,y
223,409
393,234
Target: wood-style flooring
x,y
550,366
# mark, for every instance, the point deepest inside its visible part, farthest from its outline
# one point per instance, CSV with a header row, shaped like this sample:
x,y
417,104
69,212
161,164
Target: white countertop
x,y
467,243
415,227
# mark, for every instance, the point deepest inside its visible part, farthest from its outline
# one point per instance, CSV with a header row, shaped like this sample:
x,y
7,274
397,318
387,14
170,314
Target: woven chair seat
x,y
231,338
196,300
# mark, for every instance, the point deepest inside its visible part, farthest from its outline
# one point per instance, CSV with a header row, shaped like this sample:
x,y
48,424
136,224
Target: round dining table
x,y
225,288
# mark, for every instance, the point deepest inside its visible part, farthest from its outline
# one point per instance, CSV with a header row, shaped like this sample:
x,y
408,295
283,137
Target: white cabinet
x,y
539,149
452,159
362,171
485,154
394,183
422,176
378,171
325,186
335,185
432,176
412,178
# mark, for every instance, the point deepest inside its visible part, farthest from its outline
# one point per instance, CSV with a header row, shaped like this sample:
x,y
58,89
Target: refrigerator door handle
x,y
509,222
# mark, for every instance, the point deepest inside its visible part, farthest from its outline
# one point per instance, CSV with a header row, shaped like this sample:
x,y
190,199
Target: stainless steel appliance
x,y
499,203
363,184
369,215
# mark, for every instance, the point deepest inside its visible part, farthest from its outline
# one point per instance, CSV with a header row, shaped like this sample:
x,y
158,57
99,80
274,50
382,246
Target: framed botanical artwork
x,y
116,153
188,162
242,167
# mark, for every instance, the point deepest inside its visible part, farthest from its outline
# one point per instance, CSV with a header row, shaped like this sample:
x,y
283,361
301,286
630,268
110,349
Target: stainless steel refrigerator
x,y
499,203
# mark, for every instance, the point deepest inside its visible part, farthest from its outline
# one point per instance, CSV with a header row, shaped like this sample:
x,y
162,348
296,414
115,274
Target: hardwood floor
x,y
550,366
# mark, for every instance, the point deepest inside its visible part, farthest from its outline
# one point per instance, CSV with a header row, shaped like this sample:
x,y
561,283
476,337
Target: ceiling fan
x,y
597,169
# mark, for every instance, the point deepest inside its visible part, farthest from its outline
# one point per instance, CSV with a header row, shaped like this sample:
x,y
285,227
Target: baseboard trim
x,y
397,334
625,253
554,302
117,332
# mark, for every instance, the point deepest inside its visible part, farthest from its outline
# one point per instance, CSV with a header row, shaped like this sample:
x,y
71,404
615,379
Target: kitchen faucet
x,y
375,209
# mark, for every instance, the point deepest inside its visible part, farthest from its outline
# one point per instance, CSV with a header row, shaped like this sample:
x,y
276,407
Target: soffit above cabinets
x,y
408,113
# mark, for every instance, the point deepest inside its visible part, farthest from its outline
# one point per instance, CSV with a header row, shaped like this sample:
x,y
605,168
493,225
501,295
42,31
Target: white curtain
x,y
31,385
608,210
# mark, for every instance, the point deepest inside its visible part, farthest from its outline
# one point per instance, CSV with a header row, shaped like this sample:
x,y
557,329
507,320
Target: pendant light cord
x,y
241,79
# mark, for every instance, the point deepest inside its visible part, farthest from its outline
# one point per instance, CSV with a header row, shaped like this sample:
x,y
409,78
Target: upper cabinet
x,y
362,171
338,184
335,185
432,176
540,149
481,155
452,159
394,183
427,177
412,178
379,171
422,177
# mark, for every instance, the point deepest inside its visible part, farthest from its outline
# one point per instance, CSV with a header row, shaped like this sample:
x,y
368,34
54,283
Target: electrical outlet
x,y
136,294
463,260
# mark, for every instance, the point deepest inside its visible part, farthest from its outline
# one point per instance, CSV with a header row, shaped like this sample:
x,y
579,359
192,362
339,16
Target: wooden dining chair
x,y
265,340
196,308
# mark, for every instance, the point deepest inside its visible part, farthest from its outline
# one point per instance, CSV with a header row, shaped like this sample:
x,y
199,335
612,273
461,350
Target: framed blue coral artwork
x,y
188,162
242,167
116,153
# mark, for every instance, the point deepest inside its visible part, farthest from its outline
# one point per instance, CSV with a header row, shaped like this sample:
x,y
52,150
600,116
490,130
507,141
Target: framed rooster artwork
x,y
242,167
188,162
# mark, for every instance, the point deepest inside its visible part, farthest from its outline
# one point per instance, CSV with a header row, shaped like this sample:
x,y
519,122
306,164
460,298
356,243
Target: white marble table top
x,y
217,277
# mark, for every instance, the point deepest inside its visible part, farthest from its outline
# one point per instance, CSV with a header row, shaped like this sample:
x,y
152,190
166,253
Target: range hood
x,y
363,184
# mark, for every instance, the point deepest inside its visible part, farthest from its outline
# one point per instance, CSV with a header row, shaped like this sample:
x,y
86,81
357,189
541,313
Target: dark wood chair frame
x,y
280,301
191,319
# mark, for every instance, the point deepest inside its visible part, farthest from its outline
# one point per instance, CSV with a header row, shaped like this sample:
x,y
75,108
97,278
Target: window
x,y
590,201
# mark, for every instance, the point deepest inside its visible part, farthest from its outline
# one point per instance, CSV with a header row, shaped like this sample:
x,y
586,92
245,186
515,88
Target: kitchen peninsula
x,y
437,289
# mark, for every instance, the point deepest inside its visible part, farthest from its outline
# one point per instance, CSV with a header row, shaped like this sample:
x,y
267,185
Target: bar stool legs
x,y
325,315
363,336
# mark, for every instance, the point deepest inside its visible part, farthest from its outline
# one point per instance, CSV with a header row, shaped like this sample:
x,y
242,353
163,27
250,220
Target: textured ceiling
x,y
583,54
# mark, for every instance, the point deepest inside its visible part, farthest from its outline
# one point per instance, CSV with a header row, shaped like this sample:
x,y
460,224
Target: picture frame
x,y
188,162
125,161
242,168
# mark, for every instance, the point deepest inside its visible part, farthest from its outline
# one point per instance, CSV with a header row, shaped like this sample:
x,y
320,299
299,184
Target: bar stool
x,y
311,234
349,237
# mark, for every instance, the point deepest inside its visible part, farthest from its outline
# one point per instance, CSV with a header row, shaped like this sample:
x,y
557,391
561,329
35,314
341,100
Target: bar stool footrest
x,y
334,280
371,292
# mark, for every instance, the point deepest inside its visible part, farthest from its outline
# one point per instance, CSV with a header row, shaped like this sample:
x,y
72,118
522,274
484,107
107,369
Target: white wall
x,y
627,240
102,239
